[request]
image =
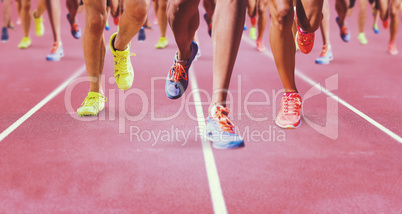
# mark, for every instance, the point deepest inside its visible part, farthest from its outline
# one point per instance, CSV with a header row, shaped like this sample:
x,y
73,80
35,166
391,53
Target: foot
x,y
345,35
289,115
162,43
107,27
221,131
362,38
177,79
123,70
325,56
260,45
39,27
56,53
141,34
209,25
392,49
253,33
92,105
4,34
25,43
75,28
375,29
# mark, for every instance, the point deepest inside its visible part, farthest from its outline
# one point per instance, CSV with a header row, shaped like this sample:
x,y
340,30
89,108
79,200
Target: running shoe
x,y
260,45
253,33
56,53
4,34
385,24
92,105
116,20
221,131
209,25
362,38
162,43
39,27
123,70
392,49
75,28
345,35
177,79
325,56
141,34
25,43
198,53
289,115
375,29
304,40
107,27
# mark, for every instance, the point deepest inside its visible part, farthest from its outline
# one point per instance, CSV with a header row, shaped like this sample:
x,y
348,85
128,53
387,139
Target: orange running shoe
x,y
289,115
305,40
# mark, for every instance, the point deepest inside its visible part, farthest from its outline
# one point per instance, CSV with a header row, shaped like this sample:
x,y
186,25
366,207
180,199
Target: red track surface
x,y
55,162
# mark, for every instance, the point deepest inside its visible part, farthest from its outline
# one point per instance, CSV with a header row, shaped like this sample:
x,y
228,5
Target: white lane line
x,y
218,201
333,96
49,97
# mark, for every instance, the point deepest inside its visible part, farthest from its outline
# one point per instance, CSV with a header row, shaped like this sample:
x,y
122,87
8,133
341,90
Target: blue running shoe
x,y
221,131
107,27
177,79
325,56
375,29
4,34
141,34
56,53
209,25
75,28
345,35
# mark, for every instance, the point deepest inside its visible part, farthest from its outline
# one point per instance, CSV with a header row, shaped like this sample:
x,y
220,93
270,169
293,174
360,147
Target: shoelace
x,y
121,60
92,100
222,118
75,27
291,104
344,30
179,72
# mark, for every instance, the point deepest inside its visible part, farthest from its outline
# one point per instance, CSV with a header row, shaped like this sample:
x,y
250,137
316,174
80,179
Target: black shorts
x,y
352,3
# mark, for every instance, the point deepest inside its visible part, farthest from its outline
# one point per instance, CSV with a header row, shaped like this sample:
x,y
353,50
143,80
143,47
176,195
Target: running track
x,y
144,153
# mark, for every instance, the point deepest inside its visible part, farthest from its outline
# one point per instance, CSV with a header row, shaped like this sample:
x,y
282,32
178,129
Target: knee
x,y
261,10
137,10
181,8
95,22
395,11
283,17
26,5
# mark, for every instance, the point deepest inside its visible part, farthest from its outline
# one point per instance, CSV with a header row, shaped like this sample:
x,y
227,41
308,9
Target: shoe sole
x,y
237,146
289,126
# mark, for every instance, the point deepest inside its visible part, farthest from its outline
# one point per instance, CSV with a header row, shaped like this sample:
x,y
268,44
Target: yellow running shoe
x,y
39,27
92,105
25,43
362,38
253,33
162,43
123,70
